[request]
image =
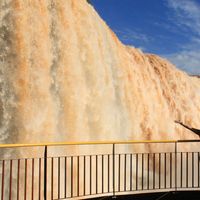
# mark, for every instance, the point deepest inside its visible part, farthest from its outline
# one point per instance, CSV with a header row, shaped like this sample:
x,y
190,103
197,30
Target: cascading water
x,y
64,76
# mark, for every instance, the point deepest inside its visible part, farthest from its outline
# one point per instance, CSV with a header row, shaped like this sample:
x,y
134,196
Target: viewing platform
x,y
110,169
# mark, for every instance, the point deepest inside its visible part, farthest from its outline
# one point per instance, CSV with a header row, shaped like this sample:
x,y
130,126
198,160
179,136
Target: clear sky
x,y
169,28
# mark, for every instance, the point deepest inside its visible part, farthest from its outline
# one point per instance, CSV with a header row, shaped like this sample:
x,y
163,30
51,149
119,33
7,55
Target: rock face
x,y
64,75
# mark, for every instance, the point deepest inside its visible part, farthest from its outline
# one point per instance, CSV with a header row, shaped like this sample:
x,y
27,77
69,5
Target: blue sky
x,y
169,28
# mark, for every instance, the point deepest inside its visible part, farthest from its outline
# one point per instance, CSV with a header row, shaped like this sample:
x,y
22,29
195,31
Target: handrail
x,y
93,143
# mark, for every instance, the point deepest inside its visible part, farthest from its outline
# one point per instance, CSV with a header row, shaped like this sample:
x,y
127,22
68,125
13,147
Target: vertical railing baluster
x,y
181,169
84,175
113,152
52,179
72,177
142,171
148,171
136,171
102,169
32,195
192,169
186,169
176,166
108,173
96,174
119,172
124,172
65,177
160,170
39,184
58,177
45,173
154,171
170,169
18,177
90,174
198,160
2,181
165,176
78,176
10,189
25,179
131,172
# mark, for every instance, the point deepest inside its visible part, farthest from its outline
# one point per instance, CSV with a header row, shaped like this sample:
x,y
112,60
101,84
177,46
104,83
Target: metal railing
x,y
121,170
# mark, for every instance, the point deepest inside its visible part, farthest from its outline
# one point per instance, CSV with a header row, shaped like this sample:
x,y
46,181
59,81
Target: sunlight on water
x,y
65,76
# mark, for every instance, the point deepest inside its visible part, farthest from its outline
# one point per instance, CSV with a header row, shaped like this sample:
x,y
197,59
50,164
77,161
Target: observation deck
x,y
82,170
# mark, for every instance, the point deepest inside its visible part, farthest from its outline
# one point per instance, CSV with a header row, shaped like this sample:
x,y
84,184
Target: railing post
x,y
45,173
113,153
176,166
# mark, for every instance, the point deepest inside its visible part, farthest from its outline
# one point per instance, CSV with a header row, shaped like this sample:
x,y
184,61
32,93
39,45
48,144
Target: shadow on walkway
x,y
192,195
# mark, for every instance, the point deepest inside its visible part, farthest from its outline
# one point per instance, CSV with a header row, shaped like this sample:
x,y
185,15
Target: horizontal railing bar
x,y
85,143
93,155
182,141
93,143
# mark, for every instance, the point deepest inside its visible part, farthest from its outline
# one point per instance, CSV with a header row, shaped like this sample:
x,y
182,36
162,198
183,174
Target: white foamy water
x,y
65,76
